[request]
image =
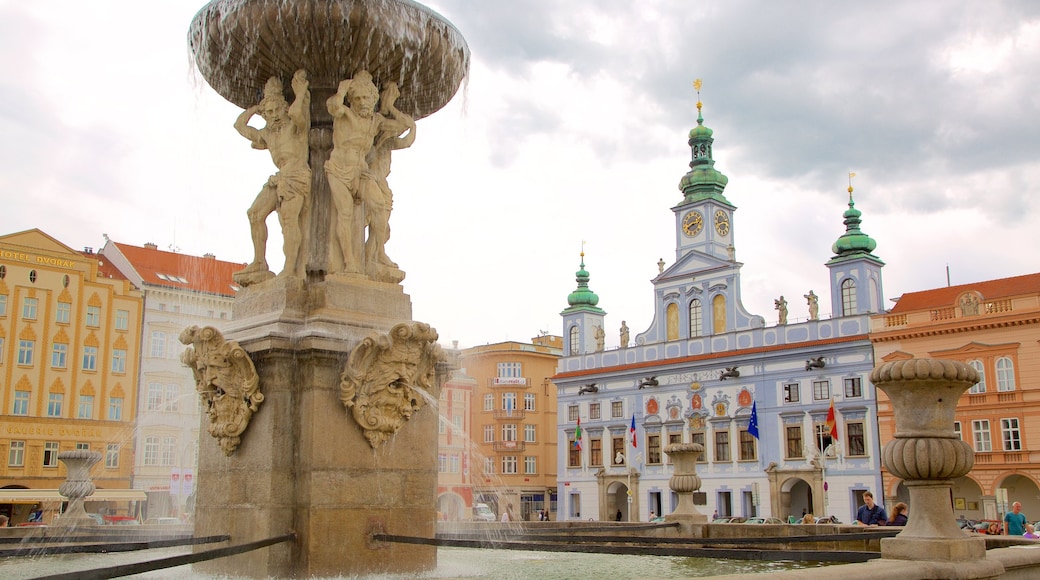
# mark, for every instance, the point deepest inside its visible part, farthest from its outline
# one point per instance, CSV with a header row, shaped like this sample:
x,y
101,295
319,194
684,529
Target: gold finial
x,y
583,250
851,175
697,84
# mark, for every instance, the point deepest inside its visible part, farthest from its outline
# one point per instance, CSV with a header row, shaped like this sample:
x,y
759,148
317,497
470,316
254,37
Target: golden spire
x,y
697,83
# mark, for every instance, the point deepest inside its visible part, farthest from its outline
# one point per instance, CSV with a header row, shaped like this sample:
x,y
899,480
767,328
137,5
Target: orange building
x,y
70,333
994,326
454,448
514,425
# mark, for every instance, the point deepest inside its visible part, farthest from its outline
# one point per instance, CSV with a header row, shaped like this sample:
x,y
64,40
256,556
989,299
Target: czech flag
x,y
752,426
577,436
832,422
632,430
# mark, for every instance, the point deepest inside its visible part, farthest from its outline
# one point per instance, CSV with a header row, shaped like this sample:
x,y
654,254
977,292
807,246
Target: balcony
x,y
517,414
510,446
509,383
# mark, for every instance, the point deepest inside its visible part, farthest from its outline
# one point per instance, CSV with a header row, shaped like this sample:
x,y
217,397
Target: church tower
x,y
855,276
583,330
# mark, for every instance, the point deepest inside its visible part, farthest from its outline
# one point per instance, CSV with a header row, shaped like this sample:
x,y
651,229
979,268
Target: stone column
x,y
684,482
928,455
77,485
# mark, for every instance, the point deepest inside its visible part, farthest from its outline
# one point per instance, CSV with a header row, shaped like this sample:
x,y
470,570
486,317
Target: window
x,y
821,390
25,352
509,370
529,399
856,440
853,388
791,393
173,393
509,402
3,304
572,413
456,420
16,454
158,345
957,430
83,446
794,442
115,409
155,395
442,463
529,433
698,438
593,410
617,409
673,439
168,452
90,358
573,453
112,456
59,355
54,402
696,319
823,436
980,429
979,387
489,402
489,465
1010,434
848,297
454,462
29,306
509,432
151,450
653,449
63,314
50,454
530,465
596,452
617,446
119,360
122,319
1,350
748,448
21,403
85,408
722,446
509,464
1005,375
489,433
575,333
94,316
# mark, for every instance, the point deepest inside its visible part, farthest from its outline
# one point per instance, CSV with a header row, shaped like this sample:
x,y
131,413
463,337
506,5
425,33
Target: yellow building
x,y
993,326
514,425
70,334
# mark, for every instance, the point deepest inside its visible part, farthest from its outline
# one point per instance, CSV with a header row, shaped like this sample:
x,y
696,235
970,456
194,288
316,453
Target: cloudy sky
x,y
571,128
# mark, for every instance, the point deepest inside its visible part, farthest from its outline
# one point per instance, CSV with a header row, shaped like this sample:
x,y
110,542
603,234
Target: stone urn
x,y
927,454
685,481
77,486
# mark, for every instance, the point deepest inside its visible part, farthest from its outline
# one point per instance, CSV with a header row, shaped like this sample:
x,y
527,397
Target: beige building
x,y
70,331
514,425
993,326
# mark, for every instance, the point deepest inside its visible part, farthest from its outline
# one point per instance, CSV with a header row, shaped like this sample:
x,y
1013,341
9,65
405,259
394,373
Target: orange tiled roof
x,y
173,270
990,290
105,268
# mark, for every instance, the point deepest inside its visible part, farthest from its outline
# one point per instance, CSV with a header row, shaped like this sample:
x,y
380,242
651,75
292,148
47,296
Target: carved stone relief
x,y
226,380
388,378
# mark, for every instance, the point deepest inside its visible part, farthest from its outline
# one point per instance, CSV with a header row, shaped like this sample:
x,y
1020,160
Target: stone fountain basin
x,y
239,44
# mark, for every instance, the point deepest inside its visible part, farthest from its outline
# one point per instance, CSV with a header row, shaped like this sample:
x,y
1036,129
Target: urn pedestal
x,y
77,485
684,482
928,455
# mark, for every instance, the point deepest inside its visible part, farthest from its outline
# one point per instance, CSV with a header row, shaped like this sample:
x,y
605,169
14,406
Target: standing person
x,y
899,515
870,514
715,515
1015,521
618,517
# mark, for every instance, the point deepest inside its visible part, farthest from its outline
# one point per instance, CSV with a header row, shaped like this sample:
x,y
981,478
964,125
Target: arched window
x,y
1005,374
979,387
718,308
672,318
575,338
696,319
848,297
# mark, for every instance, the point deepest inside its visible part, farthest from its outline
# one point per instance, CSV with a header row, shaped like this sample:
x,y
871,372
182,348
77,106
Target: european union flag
x,y
752,426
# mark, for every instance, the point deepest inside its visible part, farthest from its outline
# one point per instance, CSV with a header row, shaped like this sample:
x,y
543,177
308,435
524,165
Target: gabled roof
x,y
172,270
105,268
990,290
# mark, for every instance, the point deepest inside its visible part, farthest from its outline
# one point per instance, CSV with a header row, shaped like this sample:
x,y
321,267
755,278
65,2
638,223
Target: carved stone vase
x,y
77,485
927,454
684,480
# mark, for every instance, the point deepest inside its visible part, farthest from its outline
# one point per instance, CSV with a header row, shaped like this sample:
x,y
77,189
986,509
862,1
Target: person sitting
x,y
870,514
808,519
1030,532
899,515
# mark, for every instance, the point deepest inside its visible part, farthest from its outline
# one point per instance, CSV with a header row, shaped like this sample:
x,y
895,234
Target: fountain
x,y
77,485
315,400
684,482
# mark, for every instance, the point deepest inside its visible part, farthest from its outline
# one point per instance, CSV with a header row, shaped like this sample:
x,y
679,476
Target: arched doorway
x,y
617,502
1024,490
798,496
451,507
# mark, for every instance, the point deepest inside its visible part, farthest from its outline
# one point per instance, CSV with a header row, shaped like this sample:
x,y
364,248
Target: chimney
x,y
150,246
88,250
209,256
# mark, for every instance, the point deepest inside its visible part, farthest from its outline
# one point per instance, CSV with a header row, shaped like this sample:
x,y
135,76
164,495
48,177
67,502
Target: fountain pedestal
x,y
684,482
77,485
928,455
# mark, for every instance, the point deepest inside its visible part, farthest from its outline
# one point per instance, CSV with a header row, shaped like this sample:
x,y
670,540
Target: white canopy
x,y
52,495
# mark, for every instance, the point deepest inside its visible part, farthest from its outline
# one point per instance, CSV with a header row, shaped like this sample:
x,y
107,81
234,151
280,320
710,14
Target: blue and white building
x,y
706,365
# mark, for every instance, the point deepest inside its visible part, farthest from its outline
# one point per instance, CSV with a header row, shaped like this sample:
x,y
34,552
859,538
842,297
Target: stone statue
x,y
814,305
226,380
624,334
378,386
781,306
970,305
600,336
379,202
287,191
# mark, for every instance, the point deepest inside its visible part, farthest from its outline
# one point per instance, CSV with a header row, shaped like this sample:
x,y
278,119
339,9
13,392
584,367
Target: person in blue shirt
x,y
1015,521
870,514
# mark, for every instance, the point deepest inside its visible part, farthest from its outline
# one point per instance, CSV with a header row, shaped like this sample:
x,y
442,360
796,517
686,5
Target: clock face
x,y
721,222
692,223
